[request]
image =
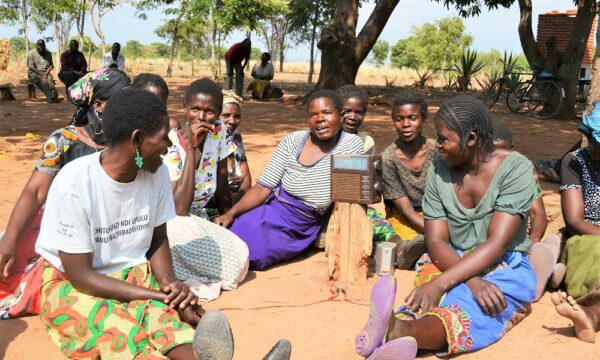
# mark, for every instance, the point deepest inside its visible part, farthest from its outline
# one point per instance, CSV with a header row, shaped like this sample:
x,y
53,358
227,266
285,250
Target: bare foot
x,y
567,307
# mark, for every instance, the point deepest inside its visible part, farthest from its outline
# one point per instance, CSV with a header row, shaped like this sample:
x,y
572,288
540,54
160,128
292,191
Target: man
x,y
39,66
72,65
237,53
114,58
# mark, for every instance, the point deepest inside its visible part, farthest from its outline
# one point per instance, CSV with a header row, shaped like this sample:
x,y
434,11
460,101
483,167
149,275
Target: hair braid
x,y
466,114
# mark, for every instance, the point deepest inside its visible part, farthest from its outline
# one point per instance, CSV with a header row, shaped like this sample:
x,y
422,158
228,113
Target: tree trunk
x,y
311,68
594,93
219,57
193,53
96,26
213,53
25,20
568,71
81,23
173,42
342,52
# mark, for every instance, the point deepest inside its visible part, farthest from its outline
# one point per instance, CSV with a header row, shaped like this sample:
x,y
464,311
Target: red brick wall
x,y
560,25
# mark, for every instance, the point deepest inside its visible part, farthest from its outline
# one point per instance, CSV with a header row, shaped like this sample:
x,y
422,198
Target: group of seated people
x,y
132,212
73,66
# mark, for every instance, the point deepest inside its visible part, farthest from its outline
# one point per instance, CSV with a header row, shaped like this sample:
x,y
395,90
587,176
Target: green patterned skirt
x,y
88,327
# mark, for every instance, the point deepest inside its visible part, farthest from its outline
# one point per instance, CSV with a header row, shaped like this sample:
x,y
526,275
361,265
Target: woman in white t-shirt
x,y
108,287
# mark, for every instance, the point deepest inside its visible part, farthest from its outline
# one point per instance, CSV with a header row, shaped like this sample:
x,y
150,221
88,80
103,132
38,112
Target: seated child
x,y
356,102
405,165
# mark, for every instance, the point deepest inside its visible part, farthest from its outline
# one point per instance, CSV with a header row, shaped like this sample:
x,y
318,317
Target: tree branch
x,y
373,28
528,43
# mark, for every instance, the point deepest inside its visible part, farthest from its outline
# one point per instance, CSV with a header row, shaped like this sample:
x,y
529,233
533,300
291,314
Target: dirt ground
x,y
291,300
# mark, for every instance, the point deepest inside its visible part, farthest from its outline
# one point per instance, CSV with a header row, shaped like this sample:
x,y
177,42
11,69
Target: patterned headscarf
x,y
98,85
230,97
591,123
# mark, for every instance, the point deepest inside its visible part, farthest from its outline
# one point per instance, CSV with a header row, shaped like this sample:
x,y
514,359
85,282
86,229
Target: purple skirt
x,y
277,230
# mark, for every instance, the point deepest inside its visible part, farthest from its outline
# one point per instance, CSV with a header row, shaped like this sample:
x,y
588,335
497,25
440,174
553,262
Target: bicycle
x,y
502,85
583,90
541,95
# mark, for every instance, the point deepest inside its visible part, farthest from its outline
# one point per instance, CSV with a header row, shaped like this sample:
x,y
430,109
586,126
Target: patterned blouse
x,y
61,147
577,171
216,148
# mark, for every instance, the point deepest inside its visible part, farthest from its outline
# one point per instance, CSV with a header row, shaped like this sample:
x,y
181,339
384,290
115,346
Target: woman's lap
x,y
582,279
276,231
468,328
207,251
85,326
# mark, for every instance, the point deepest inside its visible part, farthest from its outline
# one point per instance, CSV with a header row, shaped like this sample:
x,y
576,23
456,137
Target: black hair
x,y
410,97
129,110
331,95
353,91
144,80
207,87
466,114
502,132
116,43
267,55
40,41
75,41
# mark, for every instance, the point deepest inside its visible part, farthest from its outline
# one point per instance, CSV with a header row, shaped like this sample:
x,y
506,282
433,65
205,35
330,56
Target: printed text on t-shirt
x,y
121,228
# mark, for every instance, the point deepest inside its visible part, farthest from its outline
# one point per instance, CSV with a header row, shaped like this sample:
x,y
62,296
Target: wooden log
x,y
6,92
349,244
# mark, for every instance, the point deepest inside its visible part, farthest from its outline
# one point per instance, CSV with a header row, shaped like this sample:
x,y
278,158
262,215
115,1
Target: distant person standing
x,y
39,66
237,53
114,58
72,65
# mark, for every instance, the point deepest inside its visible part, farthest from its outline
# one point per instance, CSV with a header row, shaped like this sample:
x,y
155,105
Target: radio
x,y
355,178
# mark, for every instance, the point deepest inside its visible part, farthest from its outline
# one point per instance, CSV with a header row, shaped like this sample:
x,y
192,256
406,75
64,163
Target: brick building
x,y
560,25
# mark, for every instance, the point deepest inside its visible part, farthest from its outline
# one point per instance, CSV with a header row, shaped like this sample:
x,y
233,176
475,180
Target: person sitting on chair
x,y
39,68
72,65
114,58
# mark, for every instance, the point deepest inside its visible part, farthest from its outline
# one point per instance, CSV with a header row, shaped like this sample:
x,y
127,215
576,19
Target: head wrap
x,y
590,125
98,85
230,97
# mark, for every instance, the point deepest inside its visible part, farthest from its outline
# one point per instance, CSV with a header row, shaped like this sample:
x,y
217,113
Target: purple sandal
x,y
371,336
404,348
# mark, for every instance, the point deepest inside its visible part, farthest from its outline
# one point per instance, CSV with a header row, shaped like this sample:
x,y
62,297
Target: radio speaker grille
x,y
345,186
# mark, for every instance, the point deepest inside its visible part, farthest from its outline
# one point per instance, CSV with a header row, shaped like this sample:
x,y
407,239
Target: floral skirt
x,y
468,328
400,224
88,327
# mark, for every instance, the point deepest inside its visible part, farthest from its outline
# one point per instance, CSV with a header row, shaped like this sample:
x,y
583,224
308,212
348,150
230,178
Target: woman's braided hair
x,y
466,114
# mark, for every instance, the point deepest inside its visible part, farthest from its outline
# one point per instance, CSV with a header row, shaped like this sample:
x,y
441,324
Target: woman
x,y
197,162
406,163
579,192
19,267
476,203
282,214
108,286
240,179
263,73
158,86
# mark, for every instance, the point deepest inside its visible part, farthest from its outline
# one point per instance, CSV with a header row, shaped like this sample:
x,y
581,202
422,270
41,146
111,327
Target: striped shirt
x,y
311,184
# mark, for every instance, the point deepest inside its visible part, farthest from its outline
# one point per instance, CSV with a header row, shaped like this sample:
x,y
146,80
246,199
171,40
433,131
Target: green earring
x,y
139,161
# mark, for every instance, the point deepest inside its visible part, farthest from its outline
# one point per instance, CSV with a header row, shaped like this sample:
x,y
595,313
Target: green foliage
x,y
9,11
156,50
245,13
467,68
133,49
468,8
255,53
433,45
304,14
380,52
17,45
88,43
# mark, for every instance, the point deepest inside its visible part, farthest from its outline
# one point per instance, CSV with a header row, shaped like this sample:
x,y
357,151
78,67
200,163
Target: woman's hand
x,y
424,297
198,130
8,256
179,295
488,296
191,314
224,220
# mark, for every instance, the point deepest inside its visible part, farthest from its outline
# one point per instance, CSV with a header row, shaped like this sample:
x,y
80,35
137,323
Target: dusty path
x,y
290,300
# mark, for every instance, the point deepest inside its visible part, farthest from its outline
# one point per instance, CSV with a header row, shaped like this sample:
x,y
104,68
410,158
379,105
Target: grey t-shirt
x,y
39,62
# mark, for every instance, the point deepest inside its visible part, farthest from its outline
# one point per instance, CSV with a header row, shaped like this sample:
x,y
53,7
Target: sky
x,y
494,29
